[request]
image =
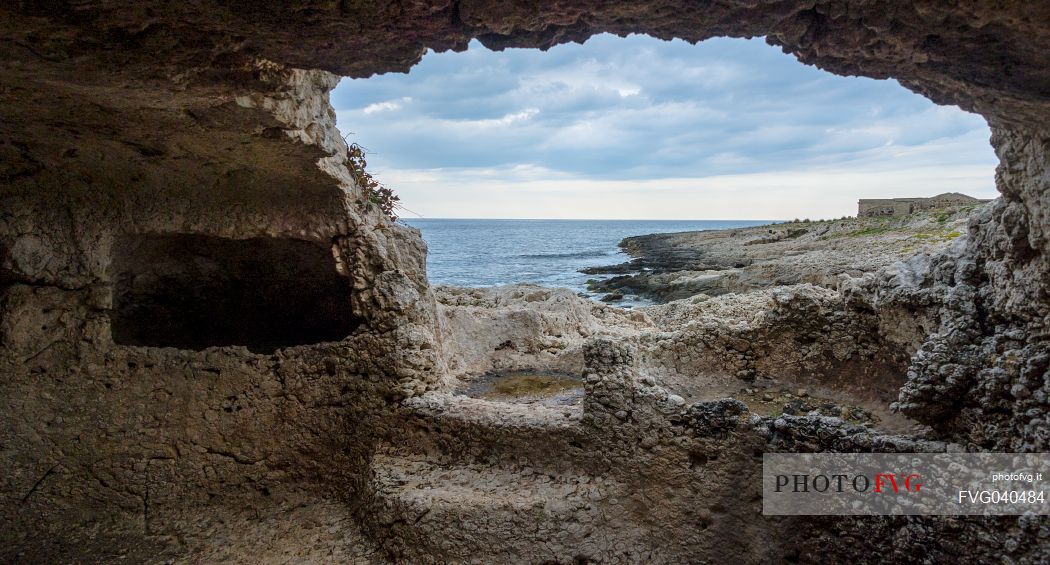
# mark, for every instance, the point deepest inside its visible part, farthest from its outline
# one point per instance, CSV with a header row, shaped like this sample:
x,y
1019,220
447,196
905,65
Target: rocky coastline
x,y
673,266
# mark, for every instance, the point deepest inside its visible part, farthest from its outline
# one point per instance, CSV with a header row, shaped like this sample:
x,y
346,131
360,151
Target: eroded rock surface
x,y
670,266
124,122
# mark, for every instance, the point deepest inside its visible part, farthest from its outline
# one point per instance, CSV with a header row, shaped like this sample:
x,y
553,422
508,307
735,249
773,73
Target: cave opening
x,y
196,291
560,155
589,166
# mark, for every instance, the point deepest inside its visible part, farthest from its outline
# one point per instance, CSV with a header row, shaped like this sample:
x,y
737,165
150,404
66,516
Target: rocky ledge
x,y
673,266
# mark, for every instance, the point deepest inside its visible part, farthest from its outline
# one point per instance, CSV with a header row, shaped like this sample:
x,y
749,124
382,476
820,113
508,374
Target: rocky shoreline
x,y
673,266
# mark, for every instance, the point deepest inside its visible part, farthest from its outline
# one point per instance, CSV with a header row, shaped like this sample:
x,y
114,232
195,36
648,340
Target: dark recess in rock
x,y
196,291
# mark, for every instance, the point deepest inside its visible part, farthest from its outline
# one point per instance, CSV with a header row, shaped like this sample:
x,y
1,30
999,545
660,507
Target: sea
x,y
480,253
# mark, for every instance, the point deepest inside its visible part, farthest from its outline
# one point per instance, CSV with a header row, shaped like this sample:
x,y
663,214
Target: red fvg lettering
x,y
883,476
892,478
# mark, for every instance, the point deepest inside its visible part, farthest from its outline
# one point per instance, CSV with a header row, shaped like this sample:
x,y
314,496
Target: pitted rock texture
x,y
671,266
984,57
115,437
206,118
523,327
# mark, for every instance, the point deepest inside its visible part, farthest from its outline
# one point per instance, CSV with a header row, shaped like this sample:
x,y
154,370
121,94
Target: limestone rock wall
x,y
982,375
523,327
138,229
806,335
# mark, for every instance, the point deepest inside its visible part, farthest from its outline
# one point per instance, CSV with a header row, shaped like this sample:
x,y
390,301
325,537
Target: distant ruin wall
x,y
871,207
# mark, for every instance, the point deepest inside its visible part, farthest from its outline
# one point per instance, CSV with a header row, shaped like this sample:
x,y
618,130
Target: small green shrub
x,y
874,230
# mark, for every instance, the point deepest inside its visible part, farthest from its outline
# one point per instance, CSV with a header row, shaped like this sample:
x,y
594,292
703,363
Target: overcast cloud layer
x,y
642,128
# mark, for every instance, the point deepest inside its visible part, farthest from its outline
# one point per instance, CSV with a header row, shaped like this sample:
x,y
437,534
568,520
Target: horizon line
x,y
622,219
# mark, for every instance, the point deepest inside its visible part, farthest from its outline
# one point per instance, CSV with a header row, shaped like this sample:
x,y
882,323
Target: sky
x,y
640,128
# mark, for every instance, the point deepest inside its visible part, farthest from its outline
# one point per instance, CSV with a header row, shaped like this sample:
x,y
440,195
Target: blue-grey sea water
x,y
548,252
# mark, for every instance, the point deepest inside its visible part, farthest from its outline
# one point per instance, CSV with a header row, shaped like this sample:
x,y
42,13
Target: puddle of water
x,y
528,388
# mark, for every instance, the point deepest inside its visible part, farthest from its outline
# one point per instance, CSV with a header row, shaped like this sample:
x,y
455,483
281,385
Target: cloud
x,y
386,105
640,111
506,120
534,192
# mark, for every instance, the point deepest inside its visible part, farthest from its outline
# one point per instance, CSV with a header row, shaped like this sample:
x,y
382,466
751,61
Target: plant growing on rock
x,y
374,191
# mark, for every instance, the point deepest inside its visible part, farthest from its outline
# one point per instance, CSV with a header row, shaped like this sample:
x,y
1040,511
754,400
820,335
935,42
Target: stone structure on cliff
x,y
158,158
871,207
